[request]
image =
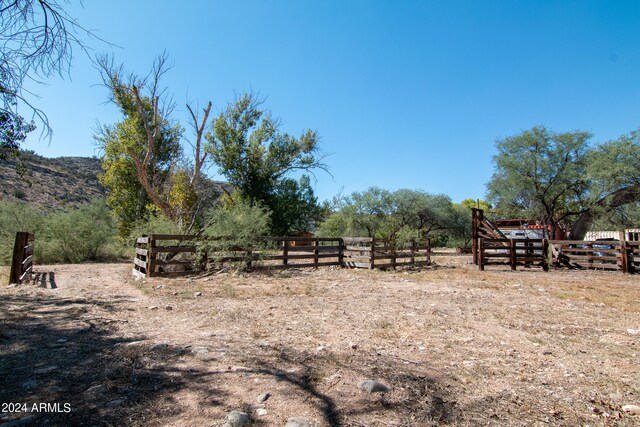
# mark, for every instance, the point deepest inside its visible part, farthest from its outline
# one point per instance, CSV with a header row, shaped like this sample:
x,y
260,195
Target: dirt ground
x,y
454,346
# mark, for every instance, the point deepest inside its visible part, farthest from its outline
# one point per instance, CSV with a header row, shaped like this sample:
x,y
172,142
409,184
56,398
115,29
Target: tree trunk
x,y
606,204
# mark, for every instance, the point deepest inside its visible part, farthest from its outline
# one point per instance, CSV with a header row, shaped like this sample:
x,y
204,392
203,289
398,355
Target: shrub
x,y
78,235
14,217
157,224
235,230
81,234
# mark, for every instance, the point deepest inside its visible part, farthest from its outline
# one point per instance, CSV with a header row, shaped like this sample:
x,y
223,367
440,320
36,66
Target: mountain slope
x,y
63,182
56,183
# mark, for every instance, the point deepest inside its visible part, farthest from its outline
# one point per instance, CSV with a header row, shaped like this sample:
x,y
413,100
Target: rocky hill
x,y
61,182
52,183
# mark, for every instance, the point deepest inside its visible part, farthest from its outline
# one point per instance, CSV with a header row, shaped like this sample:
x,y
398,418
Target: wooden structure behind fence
x,y
174,255
603,255
22,260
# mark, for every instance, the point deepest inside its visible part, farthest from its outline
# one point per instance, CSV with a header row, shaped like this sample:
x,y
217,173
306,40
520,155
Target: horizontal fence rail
x,y
363,252
513,252
603,255
175,255
22,260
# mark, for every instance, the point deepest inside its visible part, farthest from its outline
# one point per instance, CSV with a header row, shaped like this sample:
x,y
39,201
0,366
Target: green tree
x,y
541,174
400,216
427,213
559,179
236,227
80,234
13,132
256,158
461,229
141,151
614,171
297,207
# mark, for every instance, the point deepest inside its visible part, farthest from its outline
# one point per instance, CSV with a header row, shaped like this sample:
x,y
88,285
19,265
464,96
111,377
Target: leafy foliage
x,y
78,235
256,158
399,216
559,179
155,223
541,174
125,143
13,131
235,228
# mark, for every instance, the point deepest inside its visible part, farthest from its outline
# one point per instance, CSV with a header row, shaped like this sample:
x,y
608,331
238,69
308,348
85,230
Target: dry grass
x,y
456,346
4,275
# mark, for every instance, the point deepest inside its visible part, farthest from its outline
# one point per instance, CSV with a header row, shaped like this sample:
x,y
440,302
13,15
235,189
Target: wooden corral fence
x,y
513,252
151,255
367,252
302,252
604,255
633,255
174,255
22,260
600,254
481,229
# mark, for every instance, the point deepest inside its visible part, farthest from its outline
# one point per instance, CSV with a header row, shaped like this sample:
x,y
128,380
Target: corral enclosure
x,y
156,254
454,345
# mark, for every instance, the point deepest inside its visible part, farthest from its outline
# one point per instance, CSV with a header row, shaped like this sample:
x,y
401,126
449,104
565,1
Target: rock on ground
x,y
297,422
236,419
373,386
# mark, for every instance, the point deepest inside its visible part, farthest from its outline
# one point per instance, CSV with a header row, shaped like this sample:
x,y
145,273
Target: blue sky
x,y
404,94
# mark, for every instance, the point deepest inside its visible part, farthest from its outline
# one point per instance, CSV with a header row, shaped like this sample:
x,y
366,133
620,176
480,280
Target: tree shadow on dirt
x,y
59,365
414,398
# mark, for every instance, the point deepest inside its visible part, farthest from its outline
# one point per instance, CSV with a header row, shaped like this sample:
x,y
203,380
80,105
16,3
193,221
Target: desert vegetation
x,y
439,344
450,344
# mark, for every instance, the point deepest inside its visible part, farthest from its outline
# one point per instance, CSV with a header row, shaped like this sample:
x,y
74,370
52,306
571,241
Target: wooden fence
x,y
175,255
603,255
151,255
481,228
22,260
367,252
634,256
513,252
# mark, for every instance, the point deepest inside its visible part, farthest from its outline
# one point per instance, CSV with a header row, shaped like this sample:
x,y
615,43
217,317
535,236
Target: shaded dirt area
x,y
454,345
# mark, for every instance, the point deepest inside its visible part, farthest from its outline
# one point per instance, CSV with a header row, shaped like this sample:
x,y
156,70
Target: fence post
x,y
151,256
315,253
249,258
545,254
393,253
373,253
413,251
428,250
285,251
341,249
474,235
624,257
512,253
21,241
